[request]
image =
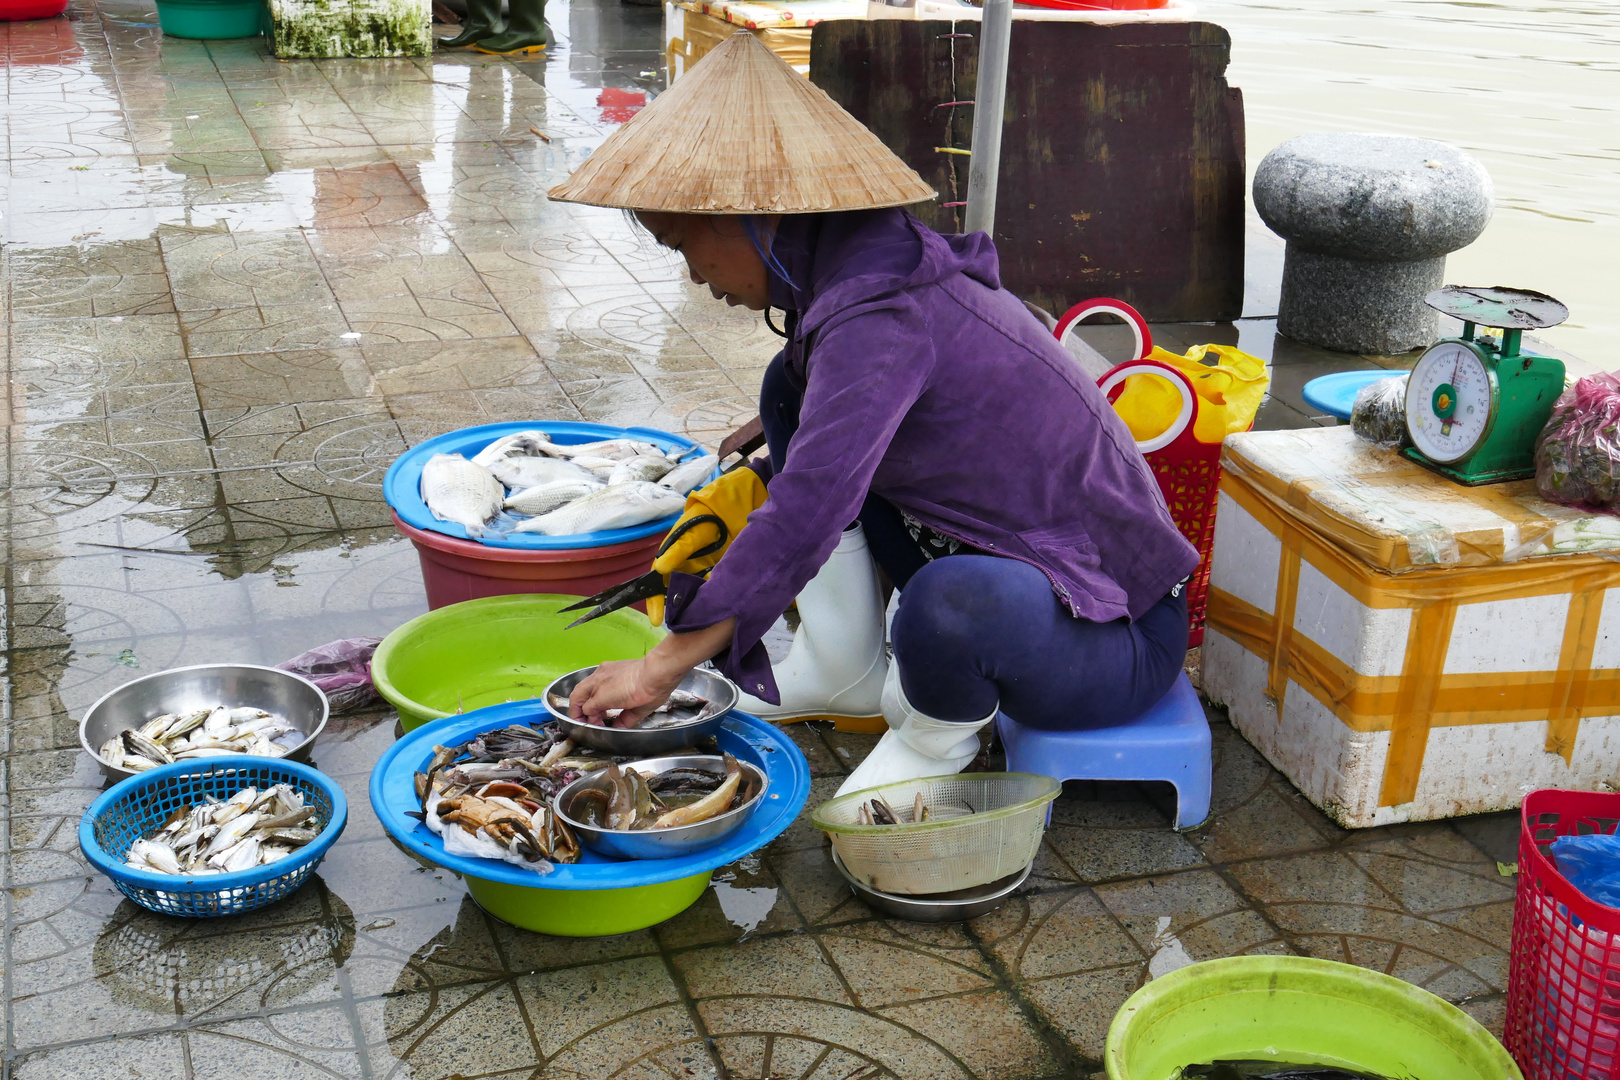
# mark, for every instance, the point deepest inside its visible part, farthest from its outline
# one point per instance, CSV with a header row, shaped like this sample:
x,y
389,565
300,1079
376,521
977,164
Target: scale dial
x,y
1450,401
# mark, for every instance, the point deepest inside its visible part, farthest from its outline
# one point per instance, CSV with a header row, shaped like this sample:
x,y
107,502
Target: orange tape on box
x,y
1423,696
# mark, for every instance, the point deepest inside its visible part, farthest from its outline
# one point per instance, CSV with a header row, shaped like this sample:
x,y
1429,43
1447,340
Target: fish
x,y
688,476
457,491
545,498
711,805
140,746
519,442
614,507
158,856
223,836
611,449
647,467
681,707
528,472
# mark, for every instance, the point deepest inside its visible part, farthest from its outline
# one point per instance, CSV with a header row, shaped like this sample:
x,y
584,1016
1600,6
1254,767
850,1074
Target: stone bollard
x,y
1369,220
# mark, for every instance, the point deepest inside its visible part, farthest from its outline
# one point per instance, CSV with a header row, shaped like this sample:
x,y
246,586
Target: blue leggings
x,y
975,632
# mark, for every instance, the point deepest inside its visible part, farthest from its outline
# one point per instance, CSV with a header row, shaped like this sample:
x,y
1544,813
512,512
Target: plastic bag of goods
x,y
1379,413
1578,452
341,670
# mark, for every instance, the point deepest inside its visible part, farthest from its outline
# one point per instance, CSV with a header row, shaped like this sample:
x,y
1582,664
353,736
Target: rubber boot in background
x,y
483,21
525,30
836,666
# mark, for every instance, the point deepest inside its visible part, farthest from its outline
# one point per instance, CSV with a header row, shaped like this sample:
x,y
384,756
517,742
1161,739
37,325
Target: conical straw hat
x,y
743,133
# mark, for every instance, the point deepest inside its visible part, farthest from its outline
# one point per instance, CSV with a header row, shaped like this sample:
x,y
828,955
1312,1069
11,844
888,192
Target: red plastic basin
x,y
455,570
18,10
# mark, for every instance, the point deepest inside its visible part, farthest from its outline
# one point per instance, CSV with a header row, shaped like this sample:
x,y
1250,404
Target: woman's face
x,y
718,254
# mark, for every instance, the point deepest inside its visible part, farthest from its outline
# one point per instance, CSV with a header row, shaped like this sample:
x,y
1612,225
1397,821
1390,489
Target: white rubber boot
x,y
836,667
916,745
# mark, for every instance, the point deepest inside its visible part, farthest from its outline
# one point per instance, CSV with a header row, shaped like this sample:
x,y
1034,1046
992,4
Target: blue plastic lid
x,y
1335,394
402,486
748,738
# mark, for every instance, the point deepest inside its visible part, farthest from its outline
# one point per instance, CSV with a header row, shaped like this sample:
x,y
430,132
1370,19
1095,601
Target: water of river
x,y
1532,89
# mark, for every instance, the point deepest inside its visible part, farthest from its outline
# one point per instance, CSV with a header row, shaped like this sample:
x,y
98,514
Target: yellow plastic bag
x,y
1230,385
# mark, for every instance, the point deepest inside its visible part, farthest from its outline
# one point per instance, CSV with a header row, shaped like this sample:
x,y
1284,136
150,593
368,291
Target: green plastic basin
x,y
498,649
587,912
211,19
1290,1008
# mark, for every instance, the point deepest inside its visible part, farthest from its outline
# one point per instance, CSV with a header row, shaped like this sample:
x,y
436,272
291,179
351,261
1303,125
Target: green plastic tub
x,y
498,649
1290,1008
211,19
587,913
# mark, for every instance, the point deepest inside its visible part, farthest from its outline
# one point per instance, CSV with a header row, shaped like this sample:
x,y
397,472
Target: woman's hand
x,y
630,685
640,686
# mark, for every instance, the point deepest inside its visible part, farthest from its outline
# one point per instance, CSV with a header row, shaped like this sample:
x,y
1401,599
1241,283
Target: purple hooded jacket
x,y
931,386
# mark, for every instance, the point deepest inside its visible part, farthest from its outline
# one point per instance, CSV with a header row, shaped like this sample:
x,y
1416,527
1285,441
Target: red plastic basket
x,y
1563,1012
1189,475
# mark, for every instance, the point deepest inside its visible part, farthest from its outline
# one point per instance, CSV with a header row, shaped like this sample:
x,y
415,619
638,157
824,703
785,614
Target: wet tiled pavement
x,y
237,288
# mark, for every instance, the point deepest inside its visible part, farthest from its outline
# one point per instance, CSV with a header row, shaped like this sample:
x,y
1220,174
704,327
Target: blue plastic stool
x,y
1170,741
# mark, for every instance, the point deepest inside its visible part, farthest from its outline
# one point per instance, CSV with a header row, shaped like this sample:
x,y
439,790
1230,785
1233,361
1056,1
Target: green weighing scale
x,y
1475,404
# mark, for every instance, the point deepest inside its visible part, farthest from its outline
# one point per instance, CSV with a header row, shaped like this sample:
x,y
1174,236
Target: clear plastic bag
x,y
1379,413
1578,452
341,669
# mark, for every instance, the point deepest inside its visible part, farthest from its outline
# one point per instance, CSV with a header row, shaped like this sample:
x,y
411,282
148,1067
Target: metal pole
x,y
989,107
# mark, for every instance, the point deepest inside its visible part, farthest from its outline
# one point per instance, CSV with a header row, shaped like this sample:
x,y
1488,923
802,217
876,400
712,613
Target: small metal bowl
x,y
947,907
234,686
636,742
671,843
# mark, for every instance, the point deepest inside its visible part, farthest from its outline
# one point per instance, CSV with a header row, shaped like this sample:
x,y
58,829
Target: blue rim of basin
x,y
402,484
1335,394
393,791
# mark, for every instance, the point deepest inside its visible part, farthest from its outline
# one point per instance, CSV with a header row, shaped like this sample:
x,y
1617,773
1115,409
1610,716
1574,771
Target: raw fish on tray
x,y
199,733
674,797
462,492
491,796
249,829
560,489
683,707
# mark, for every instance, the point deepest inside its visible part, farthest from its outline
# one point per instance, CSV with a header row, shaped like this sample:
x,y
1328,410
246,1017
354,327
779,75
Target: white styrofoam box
x,y
1245,556
1466,769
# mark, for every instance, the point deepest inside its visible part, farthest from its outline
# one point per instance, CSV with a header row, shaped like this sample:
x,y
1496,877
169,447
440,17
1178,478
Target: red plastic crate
x,y
1563,1014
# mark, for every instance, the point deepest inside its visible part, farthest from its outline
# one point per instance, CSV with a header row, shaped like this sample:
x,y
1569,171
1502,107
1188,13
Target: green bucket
x,y
1294,1009
587,912
211,19
498,649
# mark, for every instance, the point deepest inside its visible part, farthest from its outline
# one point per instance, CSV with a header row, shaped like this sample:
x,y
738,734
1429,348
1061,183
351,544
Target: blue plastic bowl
x,y
402,485
393,792
1335,394
134,807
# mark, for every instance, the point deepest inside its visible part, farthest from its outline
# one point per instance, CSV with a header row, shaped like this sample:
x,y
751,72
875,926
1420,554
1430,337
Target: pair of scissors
x,y
652,582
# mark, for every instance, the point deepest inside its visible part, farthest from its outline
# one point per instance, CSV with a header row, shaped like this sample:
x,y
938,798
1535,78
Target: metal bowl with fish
x,y
203,711
662,808
693,712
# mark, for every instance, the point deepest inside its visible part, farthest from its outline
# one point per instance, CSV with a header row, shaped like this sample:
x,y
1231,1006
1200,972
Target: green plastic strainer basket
x,y
999,837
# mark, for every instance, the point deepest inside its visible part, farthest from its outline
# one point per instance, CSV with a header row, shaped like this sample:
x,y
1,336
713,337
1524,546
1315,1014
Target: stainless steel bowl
x,y
233,685
948,907
669,843
635,742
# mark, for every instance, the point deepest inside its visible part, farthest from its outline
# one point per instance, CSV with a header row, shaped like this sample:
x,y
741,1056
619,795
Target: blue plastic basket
x,y
402,485
141,804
